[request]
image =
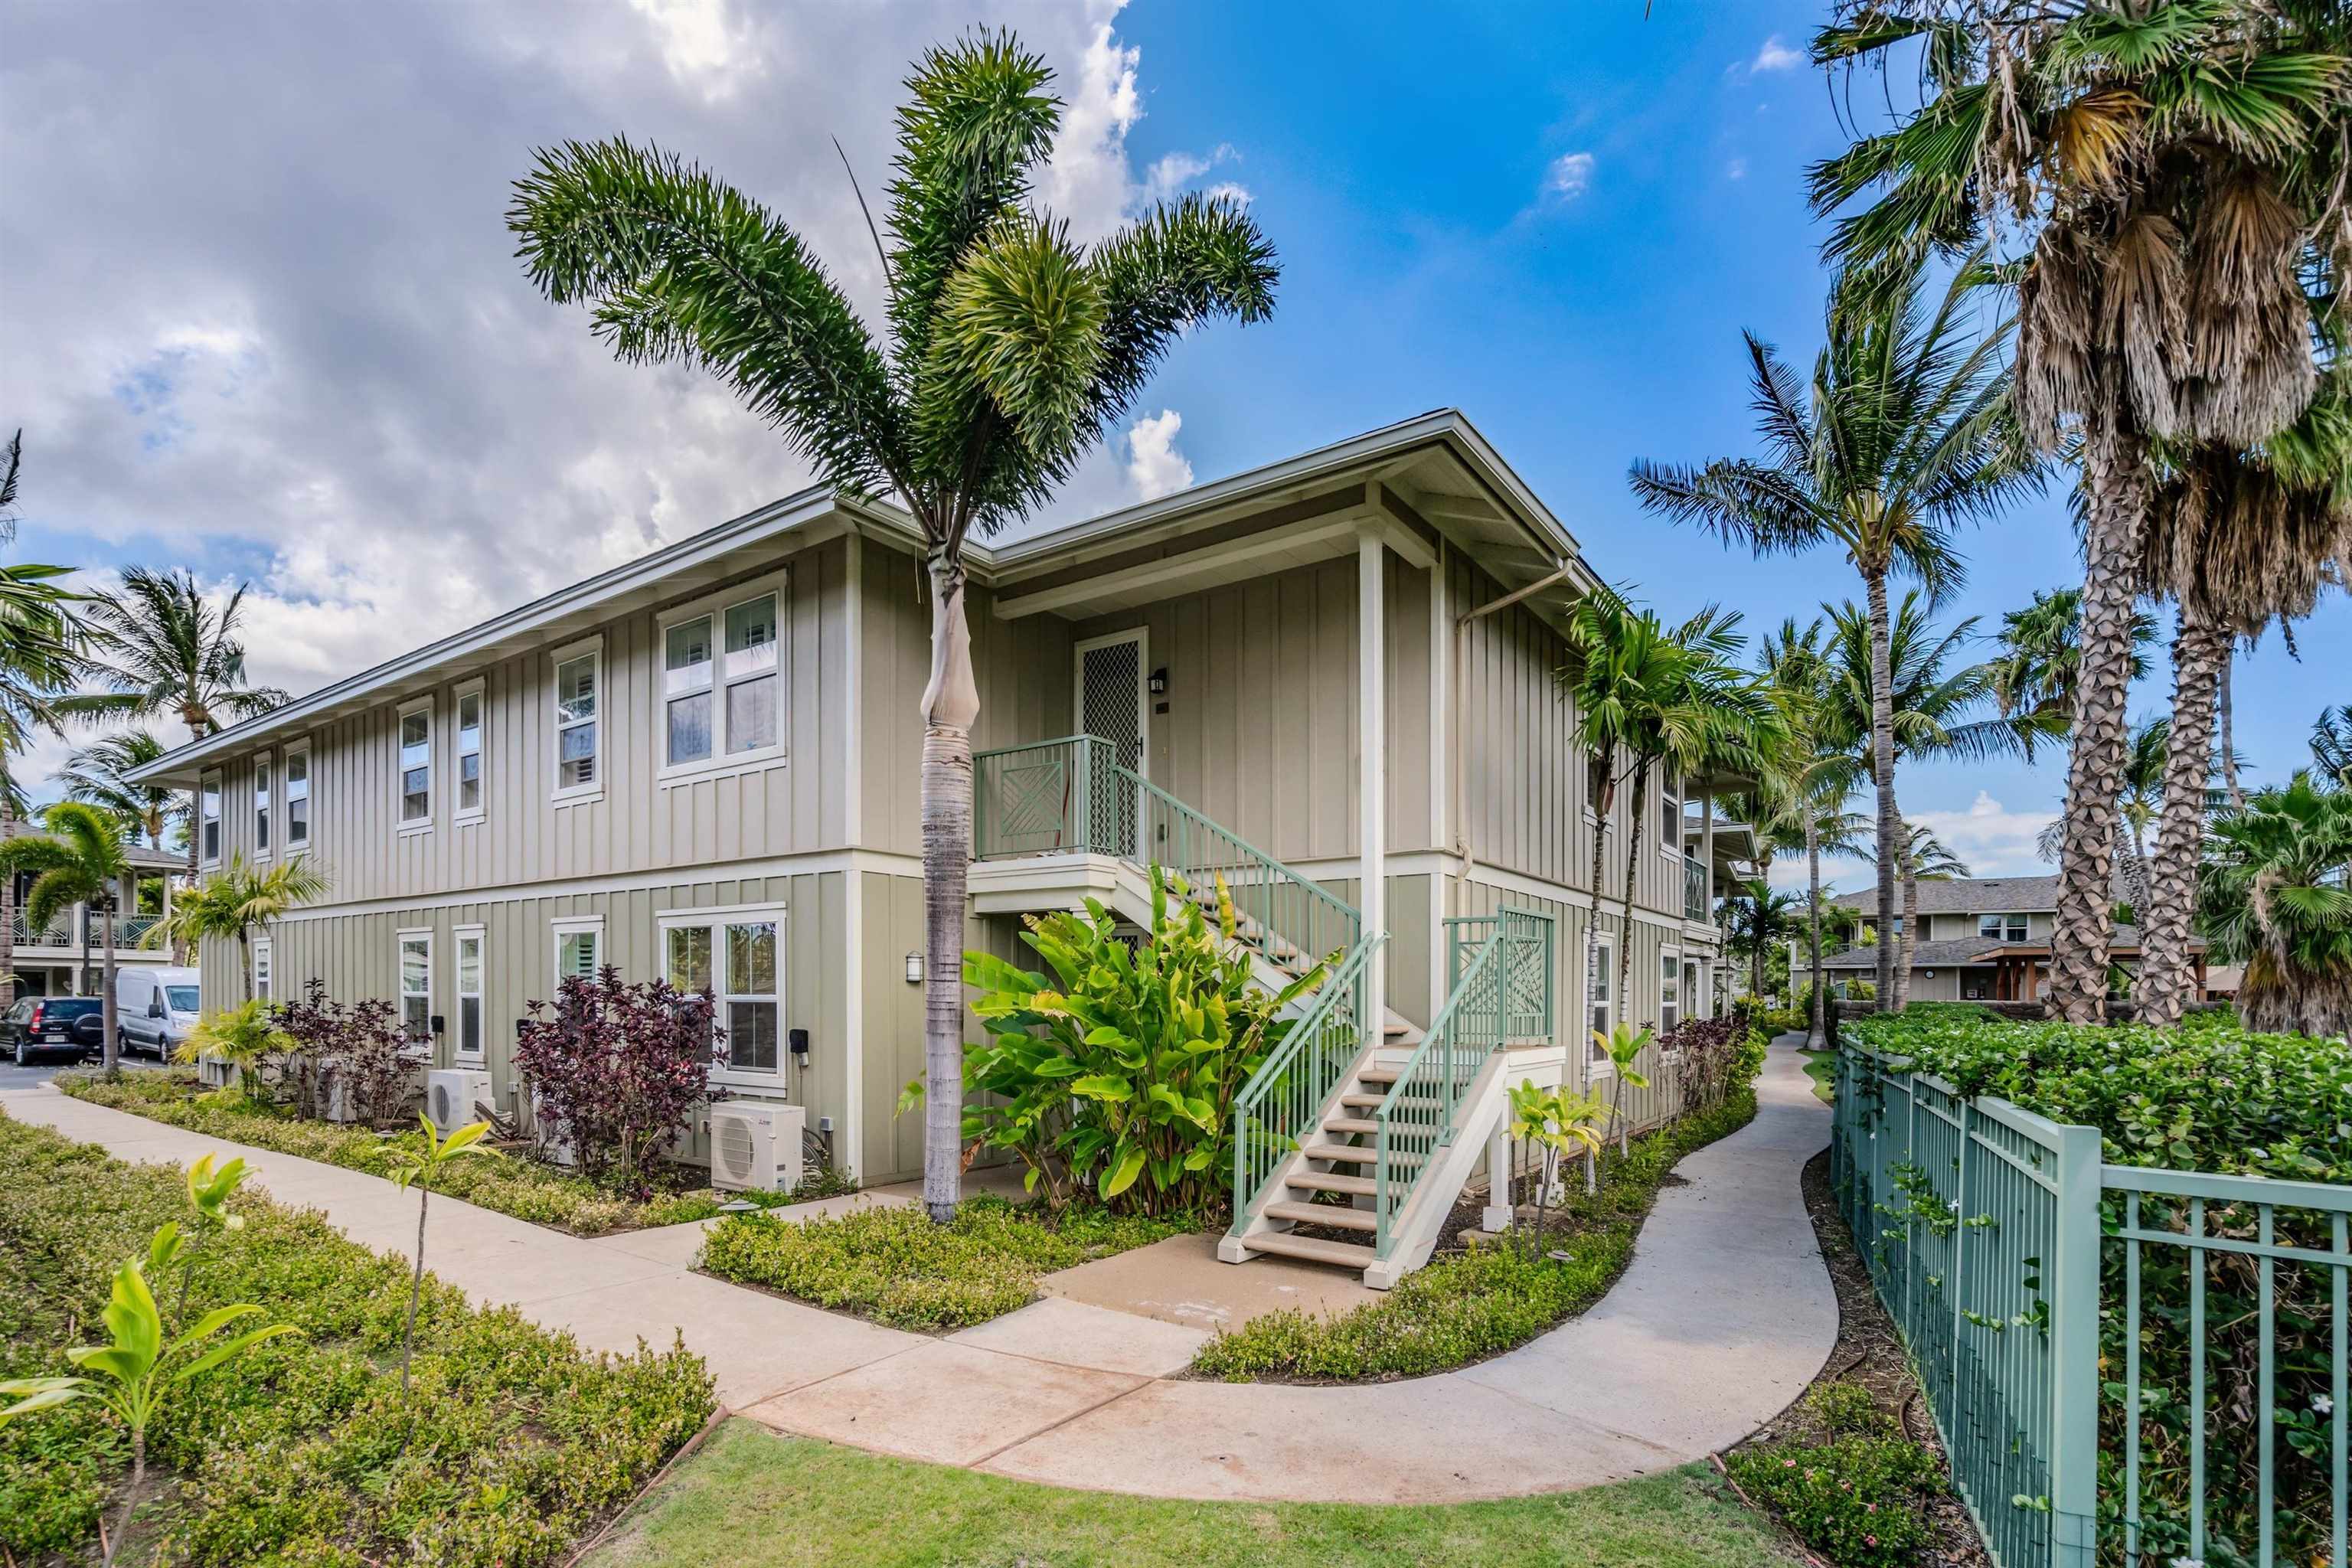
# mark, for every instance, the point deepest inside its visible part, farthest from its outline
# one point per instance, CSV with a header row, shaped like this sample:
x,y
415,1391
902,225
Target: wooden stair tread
x,y
1344,1253
1372,1101
1355,1154
1322,1214
1332,1182
1361,1126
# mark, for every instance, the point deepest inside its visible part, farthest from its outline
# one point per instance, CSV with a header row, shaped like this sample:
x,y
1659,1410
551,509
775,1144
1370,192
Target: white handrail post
x,y
2073,1274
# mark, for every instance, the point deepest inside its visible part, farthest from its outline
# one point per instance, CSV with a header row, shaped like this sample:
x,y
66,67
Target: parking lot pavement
x,y
14,1077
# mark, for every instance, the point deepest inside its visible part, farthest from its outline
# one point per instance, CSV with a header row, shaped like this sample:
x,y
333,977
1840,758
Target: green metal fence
x,y
2083,1330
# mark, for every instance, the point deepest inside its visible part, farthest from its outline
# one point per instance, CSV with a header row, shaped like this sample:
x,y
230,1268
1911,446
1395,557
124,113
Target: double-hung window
x,y
208,817
579,701
470,752
2002,928
416,985
735,955
262,987
470,991
1670,814
298,799
1670,991
261,806
721,681
1601,983
416,766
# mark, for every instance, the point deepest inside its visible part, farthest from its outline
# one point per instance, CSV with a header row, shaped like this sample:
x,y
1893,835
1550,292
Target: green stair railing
x,y
1502,993
1282,1105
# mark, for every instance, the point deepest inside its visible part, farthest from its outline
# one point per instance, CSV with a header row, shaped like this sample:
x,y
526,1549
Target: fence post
x,y
2072,1273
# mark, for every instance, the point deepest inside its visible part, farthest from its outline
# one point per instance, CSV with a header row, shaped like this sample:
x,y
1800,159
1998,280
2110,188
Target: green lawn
x,y
1821,1068
751,1497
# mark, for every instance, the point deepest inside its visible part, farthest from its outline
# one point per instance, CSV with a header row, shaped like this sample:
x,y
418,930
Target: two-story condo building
x,y
1335,670
1981,939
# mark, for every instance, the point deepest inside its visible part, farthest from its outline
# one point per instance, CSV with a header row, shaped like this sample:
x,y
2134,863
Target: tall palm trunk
x,y
2166,971
2117,489
111,1046
2229,740
950,706
1910,928
1882,773
8,911
1816,1032
1604,798
1634,810
195,828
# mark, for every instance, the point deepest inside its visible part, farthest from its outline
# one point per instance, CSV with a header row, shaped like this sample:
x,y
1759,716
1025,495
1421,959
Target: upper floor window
x,y
2002,928
208,817
1670,813
721,688
579,680
470,752
261,806
297,800
416,766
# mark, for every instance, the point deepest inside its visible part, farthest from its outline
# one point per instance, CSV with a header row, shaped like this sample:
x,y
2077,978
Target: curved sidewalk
x,y
1724,1317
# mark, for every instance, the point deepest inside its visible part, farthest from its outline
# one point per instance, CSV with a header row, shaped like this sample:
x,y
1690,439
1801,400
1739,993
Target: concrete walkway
x,y
1724,1317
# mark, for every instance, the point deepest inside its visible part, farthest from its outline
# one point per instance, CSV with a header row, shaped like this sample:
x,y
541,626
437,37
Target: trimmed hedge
x,y
510,1444
523,1188
1483,1302
894,1265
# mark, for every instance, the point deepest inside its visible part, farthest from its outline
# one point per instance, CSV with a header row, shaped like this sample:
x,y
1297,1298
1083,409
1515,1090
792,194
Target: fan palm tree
x,y
1011,350
2172,173
1905,434
236,901
1648,697
99,775
2275,898
80,860
163,649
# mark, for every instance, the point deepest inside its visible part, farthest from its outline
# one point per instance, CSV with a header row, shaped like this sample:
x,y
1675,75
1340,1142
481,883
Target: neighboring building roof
x,y
1974,896
1497,521
141,858
1953,952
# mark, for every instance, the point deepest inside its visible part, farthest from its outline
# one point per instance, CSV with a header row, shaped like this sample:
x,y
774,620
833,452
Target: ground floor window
x,y
416,985
733,955
261,983
1670,990
579,948
470,991
1600,987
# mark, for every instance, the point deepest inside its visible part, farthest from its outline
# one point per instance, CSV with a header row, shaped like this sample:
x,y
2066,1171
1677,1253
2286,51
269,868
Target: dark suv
x,y
54,1026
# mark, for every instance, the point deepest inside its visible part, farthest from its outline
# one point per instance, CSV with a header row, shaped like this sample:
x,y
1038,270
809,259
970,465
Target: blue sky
x,y
265,321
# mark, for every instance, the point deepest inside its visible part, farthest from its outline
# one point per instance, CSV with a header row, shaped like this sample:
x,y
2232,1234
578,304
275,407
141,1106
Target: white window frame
x,y
1670,956
262,802
715,921
563,926
298,751
2024,924
209,788
715,606
406,827
561,792
1670,841
264,971
459,937
401,939
1603,947
470,692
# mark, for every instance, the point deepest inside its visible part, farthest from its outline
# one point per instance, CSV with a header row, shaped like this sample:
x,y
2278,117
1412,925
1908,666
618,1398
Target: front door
x,y
1110,692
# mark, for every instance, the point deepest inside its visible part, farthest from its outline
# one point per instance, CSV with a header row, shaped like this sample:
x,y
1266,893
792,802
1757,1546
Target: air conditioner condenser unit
x,y
755,1145
450,1094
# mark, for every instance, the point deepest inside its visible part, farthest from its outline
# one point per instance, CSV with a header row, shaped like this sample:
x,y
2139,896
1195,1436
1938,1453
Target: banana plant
x,y
1553,1121
420,1165
1624,1046
210,1187
137,1374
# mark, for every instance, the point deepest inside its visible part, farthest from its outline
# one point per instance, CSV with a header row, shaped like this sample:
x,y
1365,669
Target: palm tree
x,y
163,649
1753,918
236,901
99,775
2275,898
80,860
1905,434
2173,173
2039,669
2331,744
1010,351
1810,784
1649,696
1925,860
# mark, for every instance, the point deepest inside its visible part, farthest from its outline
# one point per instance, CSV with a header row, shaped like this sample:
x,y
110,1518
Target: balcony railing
x,y
61,934
1695,888
68,933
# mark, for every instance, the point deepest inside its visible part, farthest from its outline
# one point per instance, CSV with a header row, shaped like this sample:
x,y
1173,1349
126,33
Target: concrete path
x,y
1724,1317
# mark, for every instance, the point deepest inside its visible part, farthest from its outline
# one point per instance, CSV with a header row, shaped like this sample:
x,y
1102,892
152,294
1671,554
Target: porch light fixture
x,y
1160,681
914,969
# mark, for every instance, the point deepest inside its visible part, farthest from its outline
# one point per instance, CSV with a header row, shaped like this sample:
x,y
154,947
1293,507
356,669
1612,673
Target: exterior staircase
x,y
1365,1134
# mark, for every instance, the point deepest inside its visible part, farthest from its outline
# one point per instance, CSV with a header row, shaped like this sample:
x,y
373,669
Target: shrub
x,y
894,1266
302,1451
1123,1079
1857,1499
615,1069
1477,1303
366,1038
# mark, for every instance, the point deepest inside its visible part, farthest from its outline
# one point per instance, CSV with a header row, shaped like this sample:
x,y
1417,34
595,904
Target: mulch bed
x,y
1868,1353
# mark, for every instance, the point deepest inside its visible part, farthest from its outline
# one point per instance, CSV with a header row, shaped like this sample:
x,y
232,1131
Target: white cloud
x,y
1154,467
1990,838
1736,170
1775,55
1568,176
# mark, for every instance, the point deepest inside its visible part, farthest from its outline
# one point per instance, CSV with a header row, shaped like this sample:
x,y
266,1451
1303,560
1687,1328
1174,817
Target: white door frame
x,y
1141,638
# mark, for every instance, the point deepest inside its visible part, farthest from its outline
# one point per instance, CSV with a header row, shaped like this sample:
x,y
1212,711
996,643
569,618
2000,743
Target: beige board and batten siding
x,y
794,801
357,956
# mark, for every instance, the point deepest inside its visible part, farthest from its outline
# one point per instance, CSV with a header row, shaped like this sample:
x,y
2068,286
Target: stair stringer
x,y
1413,1236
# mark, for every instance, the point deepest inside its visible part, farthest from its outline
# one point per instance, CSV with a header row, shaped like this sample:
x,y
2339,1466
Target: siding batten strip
x,y
1371,732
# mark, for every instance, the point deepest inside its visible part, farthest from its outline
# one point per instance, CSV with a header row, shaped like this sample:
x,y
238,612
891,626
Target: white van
x,y
155,1008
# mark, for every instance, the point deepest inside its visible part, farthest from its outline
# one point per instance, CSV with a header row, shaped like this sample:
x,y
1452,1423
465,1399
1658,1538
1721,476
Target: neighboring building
x,y
1981,939
67,957
707,763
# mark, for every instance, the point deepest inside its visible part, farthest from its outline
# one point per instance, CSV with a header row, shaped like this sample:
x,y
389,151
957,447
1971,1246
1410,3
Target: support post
x,y
1372,735
2074,1350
